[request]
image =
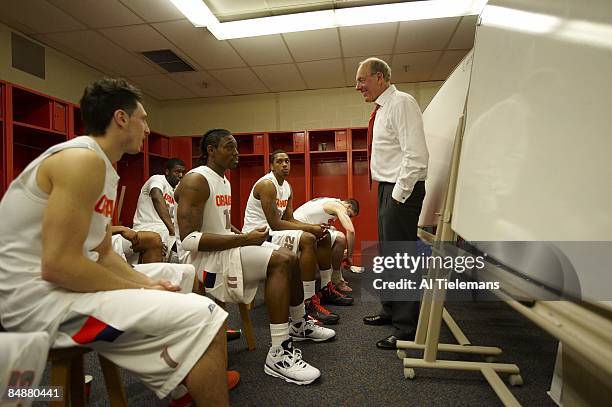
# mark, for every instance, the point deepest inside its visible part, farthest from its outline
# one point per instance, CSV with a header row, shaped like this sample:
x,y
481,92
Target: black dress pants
x,y
398,222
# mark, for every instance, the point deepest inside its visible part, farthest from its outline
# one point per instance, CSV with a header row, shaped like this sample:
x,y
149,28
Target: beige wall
x,y
65,77
313,109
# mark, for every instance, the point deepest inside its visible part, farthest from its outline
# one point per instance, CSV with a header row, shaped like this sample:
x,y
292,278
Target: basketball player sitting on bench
x,y
59,274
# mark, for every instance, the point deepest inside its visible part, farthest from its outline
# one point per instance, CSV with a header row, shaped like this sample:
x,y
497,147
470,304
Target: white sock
x,y
279,333
309,289
337,276
325,277
297,313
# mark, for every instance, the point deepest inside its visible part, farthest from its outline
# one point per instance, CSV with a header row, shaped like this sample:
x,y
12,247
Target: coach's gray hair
x,y
378,65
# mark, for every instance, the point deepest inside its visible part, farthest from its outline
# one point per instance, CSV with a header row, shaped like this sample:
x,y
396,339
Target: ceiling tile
x,y
200,45
17,26
154,10
464,37
368,40
264,50
447,63
137,38
200,83
162,87
351,65
37,16
414,67
425,35
102,53
240,81
313,45
280,78
98,14
323,74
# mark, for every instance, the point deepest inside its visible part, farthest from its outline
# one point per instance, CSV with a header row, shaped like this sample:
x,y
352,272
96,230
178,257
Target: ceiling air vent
x,y
168,60
27,56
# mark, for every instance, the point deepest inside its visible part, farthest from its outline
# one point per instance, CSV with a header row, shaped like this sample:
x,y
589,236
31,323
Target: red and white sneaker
x,y
343,287
329,295
180,397
319,312
313,320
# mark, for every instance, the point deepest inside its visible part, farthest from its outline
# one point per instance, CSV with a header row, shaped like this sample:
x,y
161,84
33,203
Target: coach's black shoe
x,y
390,342
377,320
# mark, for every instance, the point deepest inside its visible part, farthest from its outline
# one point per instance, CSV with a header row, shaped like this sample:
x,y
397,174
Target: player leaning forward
x,y
59,274
231,264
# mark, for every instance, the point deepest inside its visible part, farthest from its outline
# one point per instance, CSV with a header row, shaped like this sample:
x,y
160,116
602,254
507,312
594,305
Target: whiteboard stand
x,y
421,331
432,313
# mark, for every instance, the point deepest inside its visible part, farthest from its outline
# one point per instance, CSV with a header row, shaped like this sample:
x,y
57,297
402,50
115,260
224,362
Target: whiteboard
x,y
440,124
535,161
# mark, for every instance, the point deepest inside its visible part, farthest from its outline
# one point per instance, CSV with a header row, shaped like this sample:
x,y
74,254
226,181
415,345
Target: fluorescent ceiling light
x,y
587,32
200,15
416,10
196,11
519,20
314,20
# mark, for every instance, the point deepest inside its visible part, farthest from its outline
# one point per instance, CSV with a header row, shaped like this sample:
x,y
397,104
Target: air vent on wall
x,y
168,60
27,56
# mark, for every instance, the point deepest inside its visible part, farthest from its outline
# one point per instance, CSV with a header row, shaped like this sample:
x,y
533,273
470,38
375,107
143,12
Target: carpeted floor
x,y
355,372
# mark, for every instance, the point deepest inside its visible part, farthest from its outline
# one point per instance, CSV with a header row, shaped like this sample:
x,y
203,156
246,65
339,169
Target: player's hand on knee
x,y
131,235
318,231
257,236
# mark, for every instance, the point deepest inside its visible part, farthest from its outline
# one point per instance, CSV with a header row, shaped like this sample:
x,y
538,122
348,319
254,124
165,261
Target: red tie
x,y
370,137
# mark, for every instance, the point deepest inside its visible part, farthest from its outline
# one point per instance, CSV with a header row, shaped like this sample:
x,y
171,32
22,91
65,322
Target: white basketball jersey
x,y
313,212
216,219
22,362
146,217
254,216
22,290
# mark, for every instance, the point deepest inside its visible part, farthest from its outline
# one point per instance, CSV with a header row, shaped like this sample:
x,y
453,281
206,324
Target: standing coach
x,y
398,161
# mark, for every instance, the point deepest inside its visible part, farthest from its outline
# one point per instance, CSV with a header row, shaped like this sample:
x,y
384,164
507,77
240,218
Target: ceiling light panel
x,y
201,16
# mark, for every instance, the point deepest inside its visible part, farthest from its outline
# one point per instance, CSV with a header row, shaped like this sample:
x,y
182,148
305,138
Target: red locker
x,y
59,116
298,142
340,140
258,144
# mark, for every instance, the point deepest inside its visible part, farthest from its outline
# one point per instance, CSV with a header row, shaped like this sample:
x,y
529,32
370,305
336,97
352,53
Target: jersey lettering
x,y
223,200
169,198
105,206
281,203
289,242
21,378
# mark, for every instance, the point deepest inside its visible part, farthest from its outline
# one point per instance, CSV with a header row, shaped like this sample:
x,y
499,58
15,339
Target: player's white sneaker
x,y
286,362
308,330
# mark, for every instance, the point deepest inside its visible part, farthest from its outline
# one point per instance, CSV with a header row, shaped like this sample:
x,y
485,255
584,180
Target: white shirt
x,y
25,298
254,216
313,211
399,152
215,219
146,217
